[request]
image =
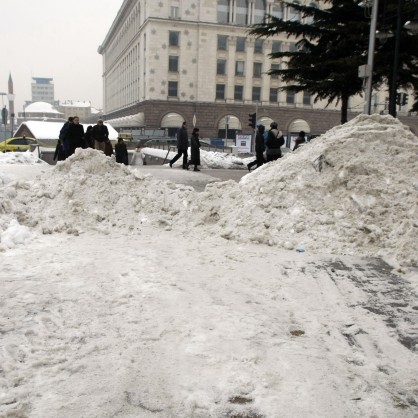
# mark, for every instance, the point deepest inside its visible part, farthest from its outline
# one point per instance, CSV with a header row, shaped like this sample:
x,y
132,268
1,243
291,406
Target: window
x,y
223,11
173,38
239,68
221,67
306,98
241,12
293,47
273,95
222,42
174,12
293,14
238,92
277,10
276,46
240,47
172,89
274,67
173,63
257,67
258,46
256,94
290,97
220,91
259,11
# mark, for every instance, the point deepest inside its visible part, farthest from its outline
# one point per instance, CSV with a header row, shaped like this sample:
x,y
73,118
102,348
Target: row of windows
x,y
239,93
173,66
240,43
246,12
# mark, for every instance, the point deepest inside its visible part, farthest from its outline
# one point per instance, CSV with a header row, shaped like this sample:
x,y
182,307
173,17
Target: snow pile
x,y
92,191
354,190
20,158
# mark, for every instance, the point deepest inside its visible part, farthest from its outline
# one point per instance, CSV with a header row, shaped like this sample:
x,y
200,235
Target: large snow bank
x,y
354,190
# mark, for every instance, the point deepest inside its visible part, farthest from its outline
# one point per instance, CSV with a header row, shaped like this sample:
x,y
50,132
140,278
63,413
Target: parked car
x,y
17,144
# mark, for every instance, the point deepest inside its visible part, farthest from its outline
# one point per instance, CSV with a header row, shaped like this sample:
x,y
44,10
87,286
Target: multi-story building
x,y
165,62
73,107
42,90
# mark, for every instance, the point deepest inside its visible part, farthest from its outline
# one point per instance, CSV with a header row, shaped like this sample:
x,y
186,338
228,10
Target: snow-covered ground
x,y
127,296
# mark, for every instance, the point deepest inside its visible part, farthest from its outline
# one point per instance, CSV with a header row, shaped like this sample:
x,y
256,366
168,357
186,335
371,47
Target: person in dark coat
x,y
182,146
88,137
60,154
64,135
75,135
121,152
260,147
275,140
194,150
299,140
100,135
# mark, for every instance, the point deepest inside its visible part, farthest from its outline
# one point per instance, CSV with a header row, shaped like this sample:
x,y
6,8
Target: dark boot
x,y
195,168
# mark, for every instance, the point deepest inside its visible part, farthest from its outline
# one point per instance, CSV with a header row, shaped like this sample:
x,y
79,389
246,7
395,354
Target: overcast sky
x,y
57,39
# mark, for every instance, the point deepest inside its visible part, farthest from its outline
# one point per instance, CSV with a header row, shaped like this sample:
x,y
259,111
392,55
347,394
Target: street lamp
x,y
370,57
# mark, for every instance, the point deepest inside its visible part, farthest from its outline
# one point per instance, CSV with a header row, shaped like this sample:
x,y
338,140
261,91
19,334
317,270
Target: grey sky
x,y
57,39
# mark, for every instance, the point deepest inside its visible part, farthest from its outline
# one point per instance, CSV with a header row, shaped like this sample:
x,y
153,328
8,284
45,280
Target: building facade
x,y
42,90
165,62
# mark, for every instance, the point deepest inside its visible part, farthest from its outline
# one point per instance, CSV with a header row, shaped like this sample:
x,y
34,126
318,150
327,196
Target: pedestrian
x,y
194,150
100,135
75,135
275,140
260,147
63,135
88,137
182,146
299,140
121,152
60,154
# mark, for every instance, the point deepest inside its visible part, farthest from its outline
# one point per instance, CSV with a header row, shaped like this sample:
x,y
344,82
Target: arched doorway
x,y
228,127
171,122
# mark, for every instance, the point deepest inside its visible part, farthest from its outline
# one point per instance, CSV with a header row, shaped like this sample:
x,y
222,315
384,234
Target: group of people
x,y
183,146
72,136
268,144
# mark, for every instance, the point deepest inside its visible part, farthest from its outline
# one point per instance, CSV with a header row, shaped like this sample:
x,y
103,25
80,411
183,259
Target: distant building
x,y
43,90
73,107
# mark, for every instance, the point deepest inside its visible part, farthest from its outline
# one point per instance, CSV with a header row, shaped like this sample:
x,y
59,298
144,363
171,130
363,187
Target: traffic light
x,y
404,99
398,98
252,120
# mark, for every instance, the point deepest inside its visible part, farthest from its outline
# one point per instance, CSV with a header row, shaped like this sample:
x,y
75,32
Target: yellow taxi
x,y
17,144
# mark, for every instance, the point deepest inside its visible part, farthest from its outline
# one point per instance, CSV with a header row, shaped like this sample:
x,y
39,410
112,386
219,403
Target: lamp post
x,y
370,59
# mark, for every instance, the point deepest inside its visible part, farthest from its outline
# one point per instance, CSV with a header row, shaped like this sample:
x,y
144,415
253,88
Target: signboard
x,y
243,142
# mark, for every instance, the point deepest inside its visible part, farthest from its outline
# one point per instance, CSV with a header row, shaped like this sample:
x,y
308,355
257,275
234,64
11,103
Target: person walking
x,y
260,147
63,135
194,150
275,140
182,146
88,137
75,135
100,135
299,140
121,152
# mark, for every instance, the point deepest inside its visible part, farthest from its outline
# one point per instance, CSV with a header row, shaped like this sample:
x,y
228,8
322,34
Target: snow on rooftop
x,y
41,107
